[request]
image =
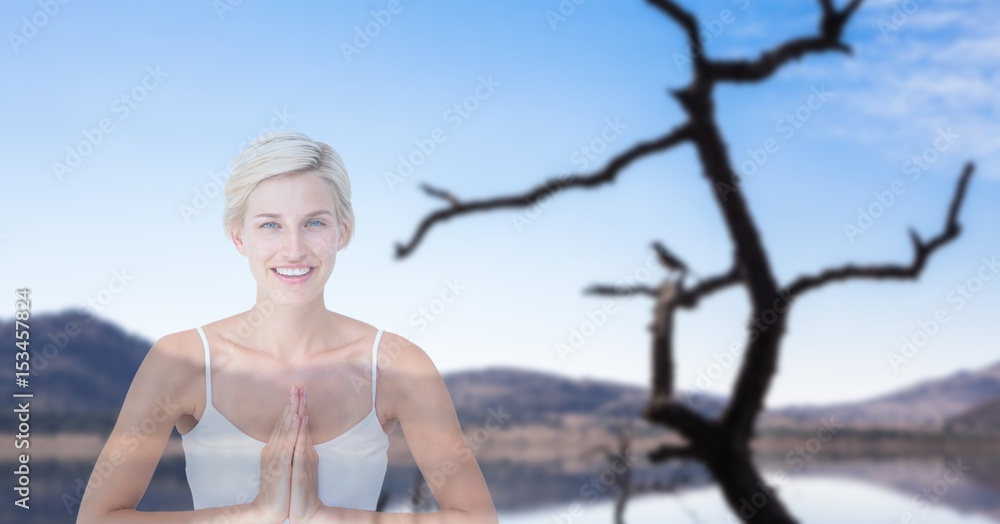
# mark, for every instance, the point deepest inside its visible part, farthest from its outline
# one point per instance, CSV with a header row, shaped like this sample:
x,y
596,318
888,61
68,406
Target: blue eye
x,y
320,222
263,226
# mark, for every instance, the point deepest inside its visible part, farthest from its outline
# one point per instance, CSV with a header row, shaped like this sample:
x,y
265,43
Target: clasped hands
x,y
289,487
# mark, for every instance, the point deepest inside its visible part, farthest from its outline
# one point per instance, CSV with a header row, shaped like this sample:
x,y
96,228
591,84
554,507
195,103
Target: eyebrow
x,y
314,213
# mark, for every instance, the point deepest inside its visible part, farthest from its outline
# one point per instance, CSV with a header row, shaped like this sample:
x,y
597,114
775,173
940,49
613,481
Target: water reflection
x,y
965,483
932,489
812,499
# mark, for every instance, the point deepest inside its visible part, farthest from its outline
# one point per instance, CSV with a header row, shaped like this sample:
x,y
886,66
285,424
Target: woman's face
x,y
290,226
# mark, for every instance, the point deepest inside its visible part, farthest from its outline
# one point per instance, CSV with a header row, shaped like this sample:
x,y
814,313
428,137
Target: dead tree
x,y
722,444
618,458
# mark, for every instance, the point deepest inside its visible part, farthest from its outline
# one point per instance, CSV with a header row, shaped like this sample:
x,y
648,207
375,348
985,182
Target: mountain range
x,y
84,365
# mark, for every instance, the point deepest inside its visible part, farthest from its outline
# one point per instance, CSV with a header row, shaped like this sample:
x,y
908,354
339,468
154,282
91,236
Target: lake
x,y
879,490
811,499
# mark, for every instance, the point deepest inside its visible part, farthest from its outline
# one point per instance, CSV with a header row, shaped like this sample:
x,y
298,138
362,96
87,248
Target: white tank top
x,y
222,462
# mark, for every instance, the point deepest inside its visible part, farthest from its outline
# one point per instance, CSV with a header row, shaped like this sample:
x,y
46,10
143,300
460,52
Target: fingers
x,y
302,461
303,441
286,428
282,422
304,499
302,404
277,457
294,420
303,419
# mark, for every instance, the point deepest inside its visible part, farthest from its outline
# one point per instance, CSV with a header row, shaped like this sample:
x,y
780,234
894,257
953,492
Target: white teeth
x,y
290,272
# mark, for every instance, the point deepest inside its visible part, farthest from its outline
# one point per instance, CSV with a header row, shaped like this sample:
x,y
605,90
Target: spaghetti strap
x,y
208,368
378,336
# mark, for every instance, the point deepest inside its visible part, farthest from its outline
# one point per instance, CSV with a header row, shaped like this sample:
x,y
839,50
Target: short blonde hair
x,y
281,154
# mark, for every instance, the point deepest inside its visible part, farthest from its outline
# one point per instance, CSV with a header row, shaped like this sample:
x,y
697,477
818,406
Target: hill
x,y
926,405
82,368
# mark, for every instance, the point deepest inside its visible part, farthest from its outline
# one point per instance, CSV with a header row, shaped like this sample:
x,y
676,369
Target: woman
x,y
271,403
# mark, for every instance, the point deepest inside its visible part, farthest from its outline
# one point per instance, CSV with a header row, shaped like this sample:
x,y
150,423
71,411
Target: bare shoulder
x,y
426,414
401,358
178,362
405,371
181,351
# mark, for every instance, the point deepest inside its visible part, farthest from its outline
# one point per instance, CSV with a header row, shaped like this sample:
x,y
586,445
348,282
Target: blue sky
x,y
169,93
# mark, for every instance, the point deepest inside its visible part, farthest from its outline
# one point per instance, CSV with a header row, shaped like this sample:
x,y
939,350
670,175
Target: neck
x,y
290,332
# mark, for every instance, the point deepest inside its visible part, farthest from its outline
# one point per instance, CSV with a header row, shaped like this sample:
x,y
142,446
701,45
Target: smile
x,y
293,275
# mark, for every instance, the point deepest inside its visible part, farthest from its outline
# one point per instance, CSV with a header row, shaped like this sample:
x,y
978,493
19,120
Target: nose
x,y
293,246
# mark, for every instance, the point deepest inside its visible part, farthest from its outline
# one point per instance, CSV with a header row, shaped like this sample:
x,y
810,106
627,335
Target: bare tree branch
x,y
670,451
921,250
697,429
689,298
663,339
831,27
606,175
686,298
444,195
833,22
688,24
620,290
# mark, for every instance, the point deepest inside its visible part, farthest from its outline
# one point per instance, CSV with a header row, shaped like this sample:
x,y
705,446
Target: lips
x,y
294,279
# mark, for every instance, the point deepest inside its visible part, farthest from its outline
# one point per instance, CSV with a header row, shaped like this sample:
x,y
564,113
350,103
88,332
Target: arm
x,y
419,400
158,396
